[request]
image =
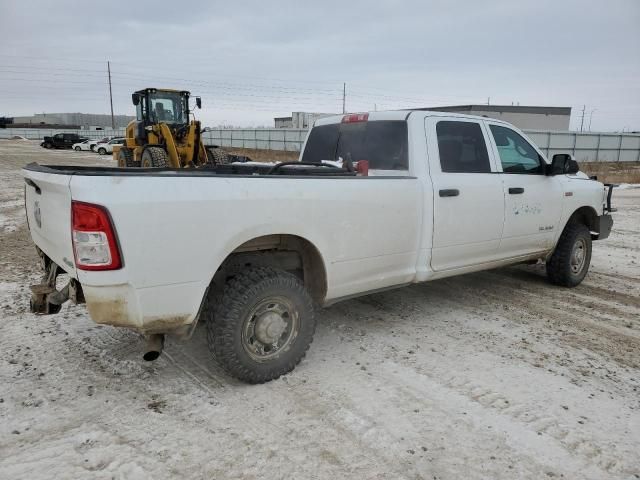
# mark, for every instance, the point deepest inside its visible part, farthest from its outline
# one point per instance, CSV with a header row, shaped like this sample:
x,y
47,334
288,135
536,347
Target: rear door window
x,y
383,143
462,147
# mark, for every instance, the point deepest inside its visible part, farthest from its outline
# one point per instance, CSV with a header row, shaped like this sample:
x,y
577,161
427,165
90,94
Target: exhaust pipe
x,y
153,347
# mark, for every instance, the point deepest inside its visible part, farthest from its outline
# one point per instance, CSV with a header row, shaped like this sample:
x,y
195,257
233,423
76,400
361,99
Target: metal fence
x,y
289,139
585,146
588,146
40,133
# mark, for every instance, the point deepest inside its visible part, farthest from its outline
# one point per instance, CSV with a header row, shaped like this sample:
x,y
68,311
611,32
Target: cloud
x,y
251,61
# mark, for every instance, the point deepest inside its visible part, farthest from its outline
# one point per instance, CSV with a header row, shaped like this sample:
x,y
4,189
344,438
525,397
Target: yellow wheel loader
x,y
162,135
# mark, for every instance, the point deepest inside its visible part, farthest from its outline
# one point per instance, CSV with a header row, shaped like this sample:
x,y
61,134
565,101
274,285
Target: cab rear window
x,y
383,143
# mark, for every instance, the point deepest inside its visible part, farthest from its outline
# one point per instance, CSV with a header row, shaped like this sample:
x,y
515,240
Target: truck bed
x,y
235,169
174,229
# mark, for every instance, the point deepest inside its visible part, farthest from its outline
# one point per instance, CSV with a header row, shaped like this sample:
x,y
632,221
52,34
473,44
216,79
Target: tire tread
x,y
222,323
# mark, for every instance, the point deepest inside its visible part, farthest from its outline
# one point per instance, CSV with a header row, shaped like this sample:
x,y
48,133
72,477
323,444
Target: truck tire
x,y
154,157
47,145
125,158
570,261
217,156
102,151
262,325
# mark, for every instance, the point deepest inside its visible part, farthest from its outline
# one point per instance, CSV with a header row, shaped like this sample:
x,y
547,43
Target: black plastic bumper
x,y
605,223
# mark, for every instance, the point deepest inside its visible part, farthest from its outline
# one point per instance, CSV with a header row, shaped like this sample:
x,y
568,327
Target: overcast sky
x,y
251,61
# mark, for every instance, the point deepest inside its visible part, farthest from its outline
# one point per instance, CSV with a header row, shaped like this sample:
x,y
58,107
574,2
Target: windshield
x,y
167,107
382,142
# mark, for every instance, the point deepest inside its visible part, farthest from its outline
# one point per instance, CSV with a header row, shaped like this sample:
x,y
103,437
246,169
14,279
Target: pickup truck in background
x,y
252,249
62,140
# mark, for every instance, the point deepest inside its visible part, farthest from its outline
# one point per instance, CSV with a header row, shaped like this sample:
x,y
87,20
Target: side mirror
x,y
135,98
198,102
562,164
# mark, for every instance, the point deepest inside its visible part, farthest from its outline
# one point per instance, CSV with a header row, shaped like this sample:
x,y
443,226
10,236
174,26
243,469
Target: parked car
x,y
62,140
104,148
95,142
250,248
84,145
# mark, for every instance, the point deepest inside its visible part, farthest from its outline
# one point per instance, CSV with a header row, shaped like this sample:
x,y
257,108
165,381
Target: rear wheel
x,y
217,156
262,325
125,158
155,157
570,261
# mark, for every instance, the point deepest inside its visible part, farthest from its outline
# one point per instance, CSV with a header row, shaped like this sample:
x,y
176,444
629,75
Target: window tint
x,y
321,144
383,143
516,154
462,147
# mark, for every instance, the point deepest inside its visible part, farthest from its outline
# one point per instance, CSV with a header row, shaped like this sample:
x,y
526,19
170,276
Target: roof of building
x,y
502,109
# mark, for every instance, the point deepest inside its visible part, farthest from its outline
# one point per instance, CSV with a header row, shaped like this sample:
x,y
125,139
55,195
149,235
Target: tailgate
x,y
48,204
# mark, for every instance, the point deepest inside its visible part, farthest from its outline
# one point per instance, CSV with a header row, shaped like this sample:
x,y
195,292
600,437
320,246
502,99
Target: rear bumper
x,y
147,311
605,223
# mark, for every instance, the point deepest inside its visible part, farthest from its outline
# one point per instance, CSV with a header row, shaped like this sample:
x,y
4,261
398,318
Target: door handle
x,y
516,190
449,192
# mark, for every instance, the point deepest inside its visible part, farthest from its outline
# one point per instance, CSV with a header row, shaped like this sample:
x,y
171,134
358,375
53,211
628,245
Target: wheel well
x,y
586,216
286,252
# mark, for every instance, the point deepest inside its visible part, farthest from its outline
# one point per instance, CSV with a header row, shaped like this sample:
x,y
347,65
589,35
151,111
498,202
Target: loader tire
x,y
262,324
570,261
217,156
125,158
155,157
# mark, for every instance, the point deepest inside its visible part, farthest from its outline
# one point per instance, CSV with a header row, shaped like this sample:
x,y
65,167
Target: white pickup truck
x,y
252,249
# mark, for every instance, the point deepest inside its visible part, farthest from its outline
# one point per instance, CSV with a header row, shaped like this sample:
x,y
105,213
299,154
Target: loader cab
x,y
155,106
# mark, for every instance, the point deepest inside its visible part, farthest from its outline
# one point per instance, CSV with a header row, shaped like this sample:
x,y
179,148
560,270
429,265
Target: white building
x,y
299,119
524,117
86,121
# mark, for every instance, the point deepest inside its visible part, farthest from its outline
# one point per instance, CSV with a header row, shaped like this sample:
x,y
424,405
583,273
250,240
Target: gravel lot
x,y
494,375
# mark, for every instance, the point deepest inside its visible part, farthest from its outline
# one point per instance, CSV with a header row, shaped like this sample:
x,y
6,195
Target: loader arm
x,y
172,150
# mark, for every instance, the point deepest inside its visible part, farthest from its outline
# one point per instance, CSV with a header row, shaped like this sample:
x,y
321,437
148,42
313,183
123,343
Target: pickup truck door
x,y
468,200
533,200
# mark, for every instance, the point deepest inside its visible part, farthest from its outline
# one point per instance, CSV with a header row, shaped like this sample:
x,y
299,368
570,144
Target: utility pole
x,y
488,99
582,119
113,125
344,96
591,117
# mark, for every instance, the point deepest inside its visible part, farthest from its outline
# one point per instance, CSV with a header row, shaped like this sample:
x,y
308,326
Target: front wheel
x,y
77,149
570,261
102,151
262,325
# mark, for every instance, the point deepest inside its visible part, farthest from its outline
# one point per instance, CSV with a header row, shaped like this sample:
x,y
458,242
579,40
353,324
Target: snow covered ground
x,y
494,375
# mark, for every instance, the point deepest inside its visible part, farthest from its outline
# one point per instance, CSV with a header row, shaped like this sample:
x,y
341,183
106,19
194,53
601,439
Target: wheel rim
x,y
578,256
270,328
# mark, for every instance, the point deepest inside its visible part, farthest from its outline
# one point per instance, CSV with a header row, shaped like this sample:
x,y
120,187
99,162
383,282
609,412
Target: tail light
x,y
355,117
95,245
